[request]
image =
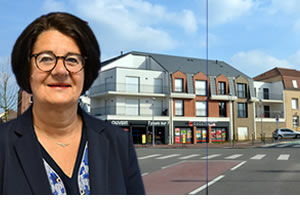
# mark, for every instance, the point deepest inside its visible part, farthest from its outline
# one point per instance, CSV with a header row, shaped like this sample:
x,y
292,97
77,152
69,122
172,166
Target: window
x,y
132,107
295,121
222,88
132,84
266,93
267,111
222,109
179,107
241,90
242,110
178,85
294,103
295,85
201,88
158,85
201,108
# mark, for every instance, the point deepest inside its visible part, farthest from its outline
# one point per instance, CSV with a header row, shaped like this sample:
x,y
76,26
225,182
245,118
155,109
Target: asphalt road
x,y
269,170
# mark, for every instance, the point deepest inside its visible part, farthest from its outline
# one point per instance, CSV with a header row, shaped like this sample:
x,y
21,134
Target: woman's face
x,y
57,87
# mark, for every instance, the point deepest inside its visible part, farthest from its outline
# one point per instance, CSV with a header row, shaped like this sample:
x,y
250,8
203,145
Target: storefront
x,y
199,132
141,130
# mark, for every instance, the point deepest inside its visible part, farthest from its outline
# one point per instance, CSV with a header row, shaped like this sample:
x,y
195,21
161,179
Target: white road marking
x,y
189,156
234,156
283,157
234,168
258,157
206,185
144,174
150,156
211,156
283,145
168,156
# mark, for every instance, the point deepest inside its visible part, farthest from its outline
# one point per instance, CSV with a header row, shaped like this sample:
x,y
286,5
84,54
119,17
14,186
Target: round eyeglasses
x,y
46,61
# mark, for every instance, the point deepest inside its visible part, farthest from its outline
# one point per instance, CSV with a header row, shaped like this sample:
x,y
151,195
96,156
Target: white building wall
x,y
135,62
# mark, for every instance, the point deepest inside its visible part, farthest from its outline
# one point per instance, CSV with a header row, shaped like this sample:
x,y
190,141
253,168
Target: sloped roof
x,y
285,74
188,65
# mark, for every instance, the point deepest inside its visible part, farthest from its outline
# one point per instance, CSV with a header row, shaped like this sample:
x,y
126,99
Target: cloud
x,y
286,6
136,24
221,12
255,62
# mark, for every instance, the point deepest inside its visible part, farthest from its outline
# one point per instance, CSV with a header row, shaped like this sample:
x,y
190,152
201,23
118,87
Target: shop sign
x,y
202,124
120,123
157,123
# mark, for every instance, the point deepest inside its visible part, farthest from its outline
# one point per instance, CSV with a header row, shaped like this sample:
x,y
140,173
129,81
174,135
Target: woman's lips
x,y
60,85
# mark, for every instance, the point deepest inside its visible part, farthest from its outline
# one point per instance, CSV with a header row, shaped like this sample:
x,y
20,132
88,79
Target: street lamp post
x,y
153,134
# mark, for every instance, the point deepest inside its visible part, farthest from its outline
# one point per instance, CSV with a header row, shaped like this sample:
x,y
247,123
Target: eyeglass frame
x,y
58,57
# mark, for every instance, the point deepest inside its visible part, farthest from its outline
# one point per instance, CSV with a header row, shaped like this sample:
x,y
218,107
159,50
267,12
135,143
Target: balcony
x,y
128,89
269,97
135,110
270,114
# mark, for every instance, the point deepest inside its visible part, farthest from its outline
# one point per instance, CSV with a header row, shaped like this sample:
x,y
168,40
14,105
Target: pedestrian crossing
x,y
281,145
214,156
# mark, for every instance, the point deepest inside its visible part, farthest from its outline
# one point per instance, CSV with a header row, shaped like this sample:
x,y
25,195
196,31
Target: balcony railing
x,y
130,88
129,111
270,114
269,96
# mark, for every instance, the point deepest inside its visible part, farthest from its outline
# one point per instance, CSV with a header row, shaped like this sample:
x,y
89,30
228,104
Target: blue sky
x,y
251,35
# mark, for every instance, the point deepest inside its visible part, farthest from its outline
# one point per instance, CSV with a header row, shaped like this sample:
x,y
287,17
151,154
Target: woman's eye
x,y
72,60
46,59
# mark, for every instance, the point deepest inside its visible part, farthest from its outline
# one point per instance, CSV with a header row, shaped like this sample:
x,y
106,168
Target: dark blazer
x,y
113,166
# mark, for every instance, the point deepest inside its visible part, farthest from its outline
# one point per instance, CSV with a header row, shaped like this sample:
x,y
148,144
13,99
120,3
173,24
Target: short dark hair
x,y
67,24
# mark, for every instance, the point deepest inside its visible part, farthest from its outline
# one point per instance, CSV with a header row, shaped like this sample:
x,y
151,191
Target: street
x,y
264,170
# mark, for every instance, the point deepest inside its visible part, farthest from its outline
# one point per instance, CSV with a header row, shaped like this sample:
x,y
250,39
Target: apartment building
x,y
290,81
269,108
187,100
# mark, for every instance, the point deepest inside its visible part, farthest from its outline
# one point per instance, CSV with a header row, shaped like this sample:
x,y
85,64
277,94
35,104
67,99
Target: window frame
x,y
244,112
201,89
176,88
182,107
225,109
200,114
223,88
243,91
295,105
295,121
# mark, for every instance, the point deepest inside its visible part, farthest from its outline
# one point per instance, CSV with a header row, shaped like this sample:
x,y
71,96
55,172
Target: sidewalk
x,y
235,145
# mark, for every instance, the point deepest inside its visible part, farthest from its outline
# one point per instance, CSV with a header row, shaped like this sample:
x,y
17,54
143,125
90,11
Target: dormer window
x,y
222,88
241,90
295,85
178,85
200,88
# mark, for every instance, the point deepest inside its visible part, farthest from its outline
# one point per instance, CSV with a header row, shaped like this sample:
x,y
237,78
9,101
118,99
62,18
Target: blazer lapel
x,y
29,154
98,151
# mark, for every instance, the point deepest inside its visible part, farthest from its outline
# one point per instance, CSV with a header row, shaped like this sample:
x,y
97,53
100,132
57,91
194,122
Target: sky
x,y
251,35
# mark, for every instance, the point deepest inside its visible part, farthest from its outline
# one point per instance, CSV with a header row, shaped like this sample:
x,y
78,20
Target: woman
x,y
55,147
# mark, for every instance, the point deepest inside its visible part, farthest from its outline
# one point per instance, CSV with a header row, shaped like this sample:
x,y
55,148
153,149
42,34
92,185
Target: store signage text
x,y
158,123
120,123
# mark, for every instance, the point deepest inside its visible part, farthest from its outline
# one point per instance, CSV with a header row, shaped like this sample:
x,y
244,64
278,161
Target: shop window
x,y
201,109
200,88
222,109
179,107
295,121
222,88
241,90
178,85
294,103
242,110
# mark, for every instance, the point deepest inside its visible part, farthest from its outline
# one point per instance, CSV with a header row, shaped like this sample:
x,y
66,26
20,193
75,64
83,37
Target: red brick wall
x,y
222,78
